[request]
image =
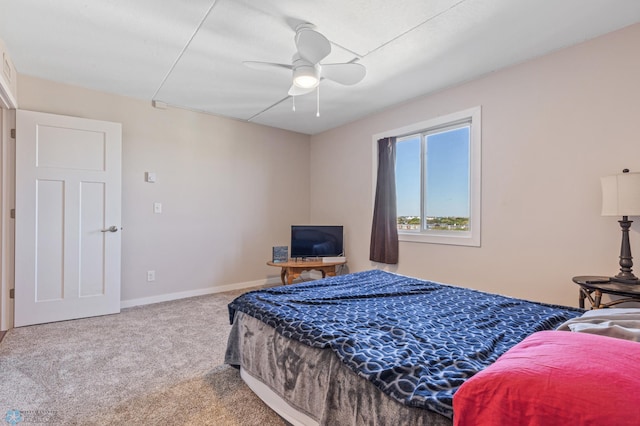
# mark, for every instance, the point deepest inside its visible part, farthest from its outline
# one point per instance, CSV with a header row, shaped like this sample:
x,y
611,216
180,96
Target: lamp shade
x,y
621,195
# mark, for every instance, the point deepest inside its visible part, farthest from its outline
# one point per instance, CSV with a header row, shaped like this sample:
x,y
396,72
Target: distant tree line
x,y
448,223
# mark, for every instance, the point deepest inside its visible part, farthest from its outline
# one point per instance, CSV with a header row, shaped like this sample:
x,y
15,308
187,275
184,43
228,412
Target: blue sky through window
x,y
447,174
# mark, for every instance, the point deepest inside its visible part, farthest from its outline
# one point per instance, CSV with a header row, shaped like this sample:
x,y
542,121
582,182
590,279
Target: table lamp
x,y
621,197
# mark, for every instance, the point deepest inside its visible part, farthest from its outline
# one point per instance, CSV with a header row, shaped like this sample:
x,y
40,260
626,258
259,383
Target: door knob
x,y
111,229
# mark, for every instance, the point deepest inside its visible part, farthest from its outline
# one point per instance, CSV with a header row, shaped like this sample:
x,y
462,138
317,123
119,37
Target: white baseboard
x,y
199,292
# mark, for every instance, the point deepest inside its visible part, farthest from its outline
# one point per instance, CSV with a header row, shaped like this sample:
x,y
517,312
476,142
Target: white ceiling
x,y
189,53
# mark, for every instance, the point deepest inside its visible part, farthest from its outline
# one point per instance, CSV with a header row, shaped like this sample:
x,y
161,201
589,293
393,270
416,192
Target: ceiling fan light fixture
x,y
305,77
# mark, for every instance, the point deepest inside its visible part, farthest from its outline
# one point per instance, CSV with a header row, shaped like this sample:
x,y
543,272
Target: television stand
x,y
292,269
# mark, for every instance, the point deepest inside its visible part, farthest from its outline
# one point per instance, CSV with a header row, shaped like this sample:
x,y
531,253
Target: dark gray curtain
x,y
384,231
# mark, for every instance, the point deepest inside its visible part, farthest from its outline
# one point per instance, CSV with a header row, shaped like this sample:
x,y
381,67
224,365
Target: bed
x,y
374,347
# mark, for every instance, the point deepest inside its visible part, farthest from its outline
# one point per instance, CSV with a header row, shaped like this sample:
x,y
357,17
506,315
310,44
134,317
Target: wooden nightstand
x,y
593,287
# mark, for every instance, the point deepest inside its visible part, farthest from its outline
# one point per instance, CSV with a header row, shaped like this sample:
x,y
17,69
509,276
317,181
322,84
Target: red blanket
x,y
555,378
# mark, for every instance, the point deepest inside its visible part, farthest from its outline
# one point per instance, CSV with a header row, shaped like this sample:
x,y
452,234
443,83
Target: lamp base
x,y
634,280
626,261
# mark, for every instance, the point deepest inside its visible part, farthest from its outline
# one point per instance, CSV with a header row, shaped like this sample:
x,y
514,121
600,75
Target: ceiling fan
x,y
312,47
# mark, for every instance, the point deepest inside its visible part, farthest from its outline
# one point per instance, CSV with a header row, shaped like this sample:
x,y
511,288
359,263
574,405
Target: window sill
x,y
449,238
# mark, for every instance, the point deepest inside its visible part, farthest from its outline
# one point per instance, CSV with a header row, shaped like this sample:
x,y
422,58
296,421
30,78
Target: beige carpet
x,y
150,365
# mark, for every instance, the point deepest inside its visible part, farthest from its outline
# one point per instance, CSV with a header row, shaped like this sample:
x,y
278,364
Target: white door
x,y
68,203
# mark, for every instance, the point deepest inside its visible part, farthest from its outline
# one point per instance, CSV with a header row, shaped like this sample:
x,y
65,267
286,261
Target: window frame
x,y
474,117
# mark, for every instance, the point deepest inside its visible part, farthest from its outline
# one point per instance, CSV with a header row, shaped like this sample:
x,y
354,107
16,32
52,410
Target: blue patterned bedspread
x,y
415,340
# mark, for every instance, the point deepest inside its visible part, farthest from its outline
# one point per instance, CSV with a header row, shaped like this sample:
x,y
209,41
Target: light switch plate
x,y
157,207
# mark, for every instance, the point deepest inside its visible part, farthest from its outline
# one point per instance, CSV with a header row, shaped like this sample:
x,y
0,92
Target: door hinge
x,y
12,213
12,293
13,133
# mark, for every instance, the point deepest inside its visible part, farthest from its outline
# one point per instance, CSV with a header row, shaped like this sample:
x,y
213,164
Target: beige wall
x,y
551,128
229,190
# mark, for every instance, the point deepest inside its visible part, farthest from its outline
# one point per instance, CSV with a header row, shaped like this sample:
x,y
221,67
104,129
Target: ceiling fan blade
x,y
265,65
298,91
312,46
347,74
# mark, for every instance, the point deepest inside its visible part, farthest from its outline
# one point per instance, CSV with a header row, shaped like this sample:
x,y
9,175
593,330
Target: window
x,y
438,180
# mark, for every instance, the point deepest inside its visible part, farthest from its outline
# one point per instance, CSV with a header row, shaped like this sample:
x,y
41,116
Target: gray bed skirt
x,y
314,381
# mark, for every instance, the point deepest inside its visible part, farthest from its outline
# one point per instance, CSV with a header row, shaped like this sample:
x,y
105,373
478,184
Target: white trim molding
x,y
8,80
269,282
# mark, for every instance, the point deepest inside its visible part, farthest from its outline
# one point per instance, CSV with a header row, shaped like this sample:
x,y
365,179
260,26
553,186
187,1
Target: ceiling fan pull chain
x,y
294,103
318,101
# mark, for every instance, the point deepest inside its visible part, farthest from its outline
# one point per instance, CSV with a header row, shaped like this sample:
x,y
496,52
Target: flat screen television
x,y
316,241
